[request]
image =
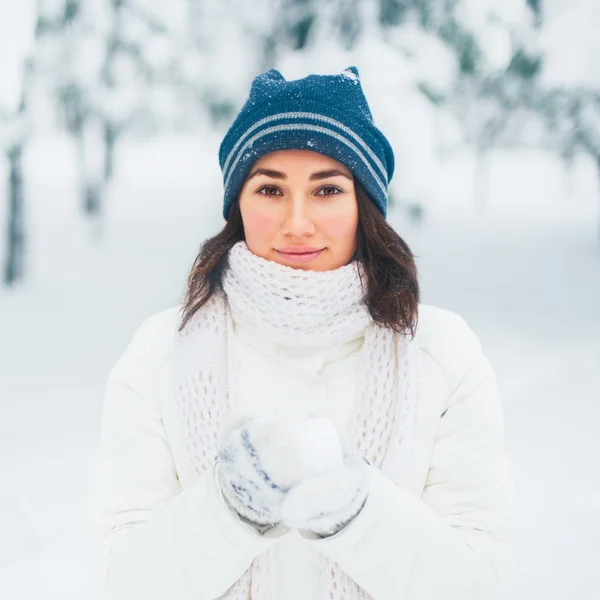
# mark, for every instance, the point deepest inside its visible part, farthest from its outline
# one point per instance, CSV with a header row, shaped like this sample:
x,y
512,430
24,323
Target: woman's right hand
x,y
260,461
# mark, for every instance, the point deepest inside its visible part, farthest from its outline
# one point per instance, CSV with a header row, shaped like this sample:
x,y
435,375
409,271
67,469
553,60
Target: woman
x,y
301,426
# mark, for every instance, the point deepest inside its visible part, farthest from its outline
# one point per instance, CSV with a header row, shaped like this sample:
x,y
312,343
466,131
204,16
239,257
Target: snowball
x,y
291,450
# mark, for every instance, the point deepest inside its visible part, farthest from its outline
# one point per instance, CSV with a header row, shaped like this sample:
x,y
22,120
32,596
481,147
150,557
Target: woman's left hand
x,y
327,503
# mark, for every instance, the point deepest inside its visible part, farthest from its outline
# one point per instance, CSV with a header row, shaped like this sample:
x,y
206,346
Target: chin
x,y
312,266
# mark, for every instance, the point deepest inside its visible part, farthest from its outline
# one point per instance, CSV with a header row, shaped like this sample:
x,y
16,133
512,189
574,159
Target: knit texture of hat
x,y
328,114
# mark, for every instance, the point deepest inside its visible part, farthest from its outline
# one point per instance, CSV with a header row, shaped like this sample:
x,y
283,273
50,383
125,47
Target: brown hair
x,y
392,281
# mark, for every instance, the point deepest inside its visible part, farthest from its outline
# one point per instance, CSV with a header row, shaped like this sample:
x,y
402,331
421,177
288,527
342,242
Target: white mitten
x,y
260,461
326,503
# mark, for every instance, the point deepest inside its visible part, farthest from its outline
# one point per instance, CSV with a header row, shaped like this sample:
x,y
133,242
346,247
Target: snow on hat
x,y
328,114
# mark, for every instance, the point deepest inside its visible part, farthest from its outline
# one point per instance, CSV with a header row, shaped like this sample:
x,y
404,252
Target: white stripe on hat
x,y
307,115
305,127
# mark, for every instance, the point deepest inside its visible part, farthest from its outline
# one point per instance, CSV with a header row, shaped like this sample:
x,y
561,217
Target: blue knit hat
x,y
328,114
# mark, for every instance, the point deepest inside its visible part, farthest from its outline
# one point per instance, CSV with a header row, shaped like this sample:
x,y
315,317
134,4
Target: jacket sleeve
x,y
153,540
455,541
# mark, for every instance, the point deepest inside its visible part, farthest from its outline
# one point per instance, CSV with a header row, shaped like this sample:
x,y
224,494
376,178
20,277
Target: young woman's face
x,y
300,201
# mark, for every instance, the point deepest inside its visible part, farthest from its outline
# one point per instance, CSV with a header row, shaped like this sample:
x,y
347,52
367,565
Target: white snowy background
x,y
516,251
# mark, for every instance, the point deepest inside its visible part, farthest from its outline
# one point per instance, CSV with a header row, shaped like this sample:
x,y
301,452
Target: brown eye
x,y
331,190
269,190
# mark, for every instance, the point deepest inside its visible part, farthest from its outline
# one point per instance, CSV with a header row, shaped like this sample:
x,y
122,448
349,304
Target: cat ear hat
x,y
328,114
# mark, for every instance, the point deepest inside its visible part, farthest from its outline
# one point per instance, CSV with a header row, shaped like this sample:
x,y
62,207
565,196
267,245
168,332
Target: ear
x,y
351,73
272,74
266,83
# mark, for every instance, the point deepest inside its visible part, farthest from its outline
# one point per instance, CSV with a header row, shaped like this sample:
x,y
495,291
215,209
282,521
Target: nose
x,y
298,219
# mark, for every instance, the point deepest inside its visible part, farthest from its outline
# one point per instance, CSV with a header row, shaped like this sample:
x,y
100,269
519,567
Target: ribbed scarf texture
x,y
300,308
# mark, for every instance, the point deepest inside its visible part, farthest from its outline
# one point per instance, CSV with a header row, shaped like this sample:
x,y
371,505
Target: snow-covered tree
x,y
95,59
70,54
570,79
16,42
493,97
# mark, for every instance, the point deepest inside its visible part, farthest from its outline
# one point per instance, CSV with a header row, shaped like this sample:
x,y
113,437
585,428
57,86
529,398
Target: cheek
x,y
259,224
340,227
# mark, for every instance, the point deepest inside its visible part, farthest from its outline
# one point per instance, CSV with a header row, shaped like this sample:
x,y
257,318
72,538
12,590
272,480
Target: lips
x,y
299,250
301,256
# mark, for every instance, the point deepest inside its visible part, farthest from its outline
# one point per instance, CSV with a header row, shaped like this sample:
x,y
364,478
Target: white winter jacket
x,y
163,534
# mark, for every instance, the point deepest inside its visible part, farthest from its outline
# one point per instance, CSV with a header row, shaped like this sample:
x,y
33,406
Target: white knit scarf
x,y
299,308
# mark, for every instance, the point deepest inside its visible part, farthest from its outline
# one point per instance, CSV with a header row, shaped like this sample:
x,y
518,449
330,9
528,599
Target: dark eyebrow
x,y
327,174
268,173
314,177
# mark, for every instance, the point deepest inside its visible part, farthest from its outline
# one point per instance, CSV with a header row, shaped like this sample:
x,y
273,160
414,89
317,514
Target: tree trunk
x,y
90,158
13,269
110,138
92,200
598,169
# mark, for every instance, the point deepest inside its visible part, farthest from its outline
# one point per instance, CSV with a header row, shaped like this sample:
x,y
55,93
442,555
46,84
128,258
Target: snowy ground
x,y
525,275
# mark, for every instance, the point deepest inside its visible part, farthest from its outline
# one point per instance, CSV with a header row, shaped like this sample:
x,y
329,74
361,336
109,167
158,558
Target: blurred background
x,y
111,114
